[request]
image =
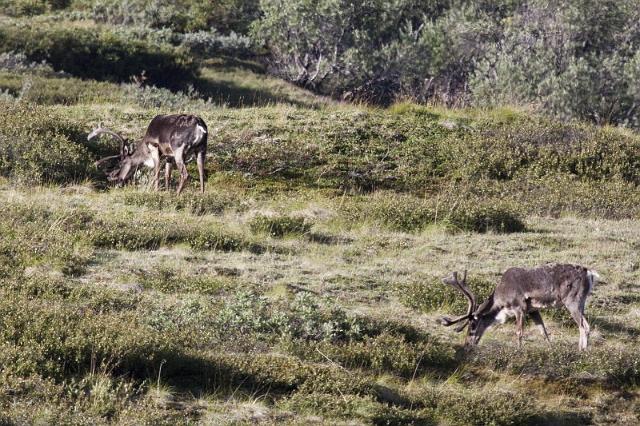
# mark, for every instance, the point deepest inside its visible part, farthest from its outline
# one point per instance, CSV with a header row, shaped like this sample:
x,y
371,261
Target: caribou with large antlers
x,y
177,138
526,291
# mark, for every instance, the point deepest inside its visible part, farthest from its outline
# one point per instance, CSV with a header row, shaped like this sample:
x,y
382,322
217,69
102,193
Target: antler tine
x,y
448,321
467,291
104,160
462,286
99,130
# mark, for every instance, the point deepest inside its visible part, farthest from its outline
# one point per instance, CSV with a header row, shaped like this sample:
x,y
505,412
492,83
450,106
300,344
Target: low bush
x,y
432,294
484,217
486,407
456,211
37,146
386,352
399,212
197,204
111,57
54,340
604,364
149,234
286,374
350,407
302,318
32,7
158,97
134,234
179,15
219,239
17,62
280,226
46,89
52,159
28,242
211,43
173,281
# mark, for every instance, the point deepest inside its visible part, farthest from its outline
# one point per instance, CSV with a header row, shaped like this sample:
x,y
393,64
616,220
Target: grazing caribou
x,y
178,138
526,291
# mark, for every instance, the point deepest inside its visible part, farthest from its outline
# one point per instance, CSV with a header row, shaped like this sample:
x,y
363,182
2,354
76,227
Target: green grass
x,y
305,284
343,331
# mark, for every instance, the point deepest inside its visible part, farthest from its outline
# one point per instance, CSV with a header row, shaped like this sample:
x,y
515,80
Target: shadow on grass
x,y
236,96
561,418
327,239
224,89
616,327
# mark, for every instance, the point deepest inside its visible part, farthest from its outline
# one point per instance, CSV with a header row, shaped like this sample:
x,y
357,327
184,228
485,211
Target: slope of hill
x,y
304,285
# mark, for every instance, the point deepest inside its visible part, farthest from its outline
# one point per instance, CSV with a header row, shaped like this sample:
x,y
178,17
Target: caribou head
x,y
120,168
475,320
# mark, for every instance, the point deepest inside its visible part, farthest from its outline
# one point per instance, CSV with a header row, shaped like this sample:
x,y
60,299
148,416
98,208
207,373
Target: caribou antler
x,y
99,130
106,159
462,286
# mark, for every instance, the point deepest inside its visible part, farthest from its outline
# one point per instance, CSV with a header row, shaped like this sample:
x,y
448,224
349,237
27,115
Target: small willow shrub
x,y
280,226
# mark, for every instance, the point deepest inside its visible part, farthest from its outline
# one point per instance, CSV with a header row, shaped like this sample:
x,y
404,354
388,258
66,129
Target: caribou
x,y
524,292
175,138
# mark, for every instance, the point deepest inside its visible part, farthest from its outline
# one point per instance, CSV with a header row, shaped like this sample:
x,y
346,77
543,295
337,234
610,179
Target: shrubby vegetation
x,y
39,146
99,54
431,294
211,43
305,284
180,16
280,226
571,59
574,59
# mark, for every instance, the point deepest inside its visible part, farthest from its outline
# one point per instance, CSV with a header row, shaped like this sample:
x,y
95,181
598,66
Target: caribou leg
x,y
167,174
155,157
182,168
577,313
519,326
200,159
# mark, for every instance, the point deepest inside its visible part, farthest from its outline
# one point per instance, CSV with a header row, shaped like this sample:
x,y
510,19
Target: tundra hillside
x,y
304,286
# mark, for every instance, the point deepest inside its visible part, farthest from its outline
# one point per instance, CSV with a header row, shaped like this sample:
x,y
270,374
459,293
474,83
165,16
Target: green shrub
x,y
399,212
38,146
280,226
111,57
604,364
53,90
572,79
57,340
302,318
386,352
133,235
457,211
32,7
197,204
434,295
282,374
44,159
457,406
484,218
28,242
180,15
350,407
172,281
